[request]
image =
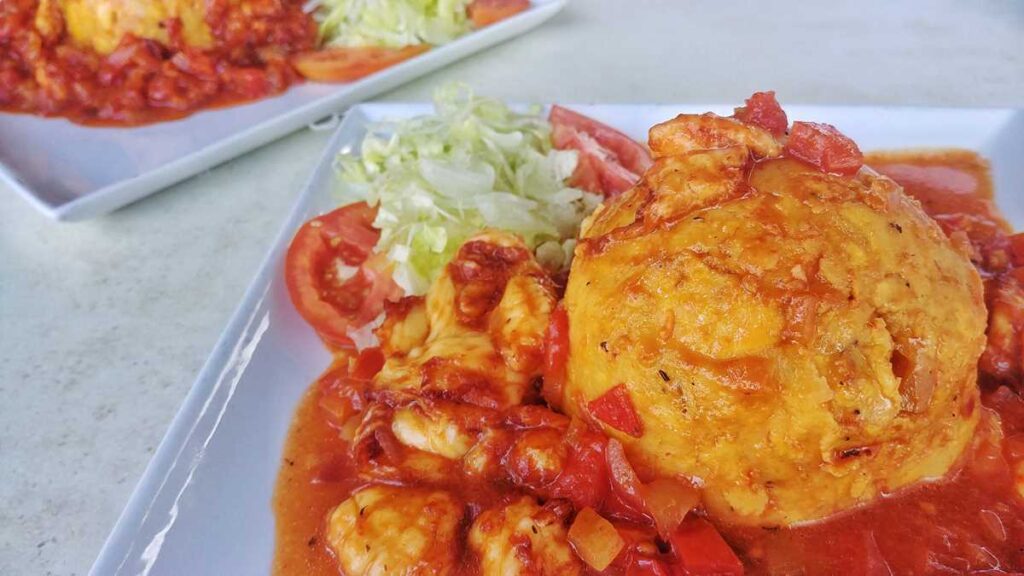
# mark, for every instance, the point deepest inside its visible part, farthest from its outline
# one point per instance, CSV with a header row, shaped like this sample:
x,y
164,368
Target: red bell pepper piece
x,y
615,408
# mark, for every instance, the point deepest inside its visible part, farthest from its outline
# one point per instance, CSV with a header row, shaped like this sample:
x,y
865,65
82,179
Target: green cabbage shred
x,y
390,23
473,164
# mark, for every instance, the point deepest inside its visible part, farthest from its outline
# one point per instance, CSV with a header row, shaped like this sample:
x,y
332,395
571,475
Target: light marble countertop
x,y
105,324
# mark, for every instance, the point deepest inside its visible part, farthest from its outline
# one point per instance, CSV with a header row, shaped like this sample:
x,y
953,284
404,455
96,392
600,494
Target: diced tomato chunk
x,y
699,550
368,363
763,110
824,147
342,386
584,479
615,408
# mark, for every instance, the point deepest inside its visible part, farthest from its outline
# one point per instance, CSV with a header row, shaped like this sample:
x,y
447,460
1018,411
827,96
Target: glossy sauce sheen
x,y
972,522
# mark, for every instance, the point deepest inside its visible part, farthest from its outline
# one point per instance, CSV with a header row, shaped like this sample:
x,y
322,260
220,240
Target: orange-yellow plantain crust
x,y
797,342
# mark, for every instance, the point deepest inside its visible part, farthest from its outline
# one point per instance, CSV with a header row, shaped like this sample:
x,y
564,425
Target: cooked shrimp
x,y
432,427
478,335
689,132
522,538
388,530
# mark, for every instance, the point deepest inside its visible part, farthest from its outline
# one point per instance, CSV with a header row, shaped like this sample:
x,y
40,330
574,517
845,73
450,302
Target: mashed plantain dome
x,y
795,341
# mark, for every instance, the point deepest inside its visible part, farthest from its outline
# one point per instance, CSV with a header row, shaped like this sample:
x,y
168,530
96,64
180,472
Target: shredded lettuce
x,y
473,164
390,23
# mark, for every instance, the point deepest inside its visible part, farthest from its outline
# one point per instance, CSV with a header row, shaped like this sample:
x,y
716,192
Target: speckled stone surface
x,y
105,324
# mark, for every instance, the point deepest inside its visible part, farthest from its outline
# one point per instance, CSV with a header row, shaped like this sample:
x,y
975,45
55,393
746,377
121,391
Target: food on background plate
x,y
766,359
119,62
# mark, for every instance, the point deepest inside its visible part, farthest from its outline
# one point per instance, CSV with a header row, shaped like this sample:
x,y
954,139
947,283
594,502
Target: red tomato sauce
x,y
142,81
974,521
969,522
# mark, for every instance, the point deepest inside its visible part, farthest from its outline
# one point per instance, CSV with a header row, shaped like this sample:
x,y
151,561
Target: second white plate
x,y
74,172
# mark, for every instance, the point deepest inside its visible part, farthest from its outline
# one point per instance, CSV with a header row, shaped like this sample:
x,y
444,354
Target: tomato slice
x,y
824,147
351,63
632,155
610,162
615,408
763,110
699,550
332,279
487,12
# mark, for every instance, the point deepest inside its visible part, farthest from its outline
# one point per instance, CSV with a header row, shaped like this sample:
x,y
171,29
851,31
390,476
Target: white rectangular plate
x,y
203,504
74,172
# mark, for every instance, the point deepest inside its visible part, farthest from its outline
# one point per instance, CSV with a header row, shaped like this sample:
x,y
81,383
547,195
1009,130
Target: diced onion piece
x,y
623,478
669,501
595,539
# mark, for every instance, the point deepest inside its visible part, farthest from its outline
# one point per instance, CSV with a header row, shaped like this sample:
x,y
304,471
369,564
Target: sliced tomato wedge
x,y
615,408
351,63
610,162
487,12
699,550
334,282
763,110
824,147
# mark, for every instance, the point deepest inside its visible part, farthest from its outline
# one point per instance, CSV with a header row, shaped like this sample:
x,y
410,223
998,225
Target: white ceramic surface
x,y
74,172
203,504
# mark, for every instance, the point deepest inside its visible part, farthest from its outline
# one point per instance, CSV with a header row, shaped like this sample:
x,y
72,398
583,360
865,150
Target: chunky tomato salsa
x,y
68,59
